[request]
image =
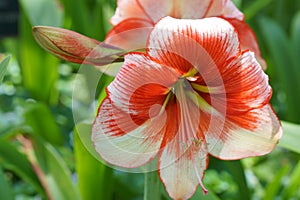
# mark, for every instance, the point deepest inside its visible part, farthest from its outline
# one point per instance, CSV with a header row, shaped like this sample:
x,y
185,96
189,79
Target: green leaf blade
x,y
12,159
42,122
281,55
273,187
3,67
5,190
95,180
57,174
290,137
38,68
294,184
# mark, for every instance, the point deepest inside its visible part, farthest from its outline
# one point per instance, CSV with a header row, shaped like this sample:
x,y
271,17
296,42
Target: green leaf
x,y
129,185
255,7
3,67
237,3
295,38
90,22
12,159
79,21
43,12
58,177
290,137
293,185
235,168
83,130
39,68
283,11
295,33
279,48
42,122
152,186
95,179
274,186
5,190
199,195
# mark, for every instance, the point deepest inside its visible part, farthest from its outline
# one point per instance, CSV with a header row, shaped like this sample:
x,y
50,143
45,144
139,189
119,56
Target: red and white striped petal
x,y
190,9
215,8
245,83
248,40
231,11
184,154
253,133
224,8
140,84
127,9
121,142
156,10
130,34
181,174
184,44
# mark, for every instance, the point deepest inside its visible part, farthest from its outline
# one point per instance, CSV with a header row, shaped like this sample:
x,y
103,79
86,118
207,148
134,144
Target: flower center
x,y
185,88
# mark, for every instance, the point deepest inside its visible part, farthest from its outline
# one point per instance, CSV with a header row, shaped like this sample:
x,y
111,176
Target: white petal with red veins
x,y
130,34
138,72
121,142
248,39
245,83
156,9
128,9
202,43
253,134
231,11
224,8
190,9
182,174
128,130
215,8
184,158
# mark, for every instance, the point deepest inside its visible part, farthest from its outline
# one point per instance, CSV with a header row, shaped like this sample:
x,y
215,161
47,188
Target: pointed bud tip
x,y
36,29
37,33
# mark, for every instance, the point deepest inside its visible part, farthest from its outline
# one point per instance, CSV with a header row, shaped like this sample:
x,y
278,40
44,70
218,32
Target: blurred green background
x,y
41,155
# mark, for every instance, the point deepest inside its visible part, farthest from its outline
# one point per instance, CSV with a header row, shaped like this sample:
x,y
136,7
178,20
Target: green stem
x,y
151,187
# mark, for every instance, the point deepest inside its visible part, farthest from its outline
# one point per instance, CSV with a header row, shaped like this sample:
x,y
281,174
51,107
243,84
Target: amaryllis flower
x,y
193,93
134,20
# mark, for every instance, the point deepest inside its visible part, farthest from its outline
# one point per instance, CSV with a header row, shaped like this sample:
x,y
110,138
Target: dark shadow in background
x,y
9,14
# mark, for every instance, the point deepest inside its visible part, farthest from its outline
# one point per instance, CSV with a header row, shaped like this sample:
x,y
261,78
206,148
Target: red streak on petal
x,y
147,101
248,39
172,123
130,34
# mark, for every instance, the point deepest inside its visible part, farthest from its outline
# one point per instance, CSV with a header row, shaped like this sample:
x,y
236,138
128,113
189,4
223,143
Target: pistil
x,y
169,95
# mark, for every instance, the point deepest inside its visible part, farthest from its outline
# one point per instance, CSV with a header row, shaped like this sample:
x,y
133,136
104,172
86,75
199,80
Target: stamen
x,y
205,191
190,73
142,50
190,142
165,102
206,89
200,102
